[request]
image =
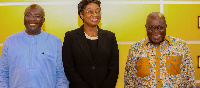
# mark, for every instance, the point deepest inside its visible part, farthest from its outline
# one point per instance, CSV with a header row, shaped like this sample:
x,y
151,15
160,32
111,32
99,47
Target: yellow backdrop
x,y
125,20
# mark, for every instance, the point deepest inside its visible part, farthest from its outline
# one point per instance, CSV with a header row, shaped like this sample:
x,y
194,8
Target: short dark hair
x,y
35,6
82,5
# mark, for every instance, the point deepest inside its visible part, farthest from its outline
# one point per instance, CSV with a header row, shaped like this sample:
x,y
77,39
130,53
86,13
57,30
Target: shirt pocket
x,y
173,64
142,67
48,55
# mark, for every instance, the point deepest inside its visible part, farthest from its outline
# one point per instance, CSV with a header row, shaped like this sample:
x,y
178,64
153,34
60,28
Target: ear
x,y
43,20
146,27
166,25
81,15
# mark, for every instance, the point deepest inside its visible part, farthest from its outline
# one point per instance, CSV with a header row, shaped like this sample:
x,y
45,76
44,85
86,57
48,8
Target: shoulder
x,y
138,44
73,31
107,33
51,36
14,36
176,41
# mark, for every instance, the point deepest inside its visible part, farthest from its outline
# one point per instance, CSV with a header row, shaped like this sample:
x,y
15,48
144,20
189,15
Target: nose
x,y
156,30
32,18
94,14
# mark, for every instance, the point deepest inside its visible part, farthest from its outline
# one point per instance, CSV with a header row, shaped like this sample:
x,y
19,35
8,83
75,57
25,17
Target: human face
x,y
92,15
33,20
157,35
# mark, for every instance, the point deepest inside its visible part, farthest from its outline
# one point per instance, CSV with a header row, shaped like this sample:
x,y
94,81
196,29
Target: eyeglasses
x,y
152,28
34,16
90,12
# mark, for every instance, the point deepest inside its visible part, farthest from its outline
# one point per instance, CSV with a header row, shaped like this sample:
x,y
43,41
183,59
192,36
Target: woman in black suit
x,y
90,54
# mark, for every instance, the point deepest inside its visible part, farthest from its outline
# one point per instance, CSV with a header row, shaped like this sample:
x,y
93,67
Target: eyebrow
x,y
33,14
95,9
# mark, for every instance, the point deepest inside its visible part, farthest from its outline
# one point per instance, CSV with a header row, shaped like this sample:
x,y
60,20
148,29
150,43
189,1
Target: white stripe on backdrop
x,y
131,42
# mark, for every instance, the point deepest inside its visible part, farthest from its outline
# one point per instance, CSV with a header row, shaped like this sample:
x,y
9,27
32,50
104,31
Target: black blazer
x,y
79,67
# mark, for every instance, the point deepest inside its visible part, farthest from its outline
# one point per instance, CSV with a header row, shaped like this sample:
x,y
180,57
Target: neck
x,y
90,28
32,33
91,31
157,45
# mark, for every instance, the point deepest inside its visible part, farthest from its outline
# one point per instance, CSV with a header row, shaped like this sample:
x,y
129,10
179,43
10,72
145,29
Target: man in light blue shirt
x,y
32,58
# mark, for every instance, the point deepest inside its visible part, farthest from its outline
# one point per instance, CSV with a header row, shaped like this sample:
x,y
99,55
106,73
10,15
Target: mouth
x,y
32,24
94,20
156,36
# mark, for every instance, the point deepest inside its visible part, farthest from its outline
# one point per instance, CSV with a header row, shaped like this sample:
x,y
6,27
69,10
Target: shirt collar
x,y
35,36
167,38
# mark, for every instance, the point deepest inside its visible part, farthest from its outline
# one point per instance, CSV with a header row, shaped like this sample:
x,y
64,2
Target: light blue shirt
x,y
32,62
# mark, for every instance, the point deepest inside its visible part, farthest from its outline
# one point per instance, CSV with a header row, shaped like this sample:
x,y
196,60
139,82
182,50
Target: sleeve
x,y
69,65
188,69
4,69
61,80
113,66
130,70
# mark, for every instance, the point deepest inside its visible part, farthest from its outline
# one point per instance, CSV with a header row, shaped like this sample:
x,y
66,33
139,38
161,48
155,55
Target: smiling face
x,y
33,19
156,20
92,14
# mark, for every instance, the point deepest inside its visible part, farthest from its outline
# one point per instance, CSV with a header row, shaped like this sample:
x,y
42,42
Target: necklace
x,y
90,36
92,29
93,34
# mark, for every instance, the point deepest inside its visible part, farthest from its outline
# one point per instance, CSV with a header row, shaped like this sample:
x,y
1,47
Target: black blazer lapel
x,y
102,43
80,36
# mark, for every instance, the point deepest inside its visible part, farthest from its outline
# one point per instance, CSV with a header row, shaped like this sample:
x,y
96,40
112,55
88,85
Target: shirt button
x,y
93,67
158,69
174,59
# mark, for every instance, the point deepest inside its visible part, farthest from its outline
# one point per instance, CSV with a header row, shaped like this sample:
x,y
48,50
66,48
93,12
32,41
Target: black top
x,y
93,47
84,72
